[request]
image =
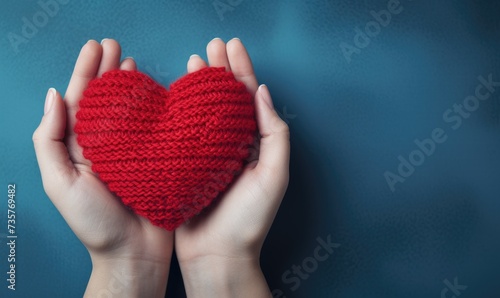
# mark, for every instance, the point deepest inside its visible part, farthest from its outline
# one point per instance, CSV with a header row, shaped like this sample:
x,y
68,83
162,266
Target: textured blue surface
x,y
349,121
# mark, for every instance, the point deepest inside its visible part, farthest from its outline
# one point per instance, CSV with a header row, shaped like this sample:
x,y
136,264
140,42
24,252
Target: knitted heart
x,y
166,154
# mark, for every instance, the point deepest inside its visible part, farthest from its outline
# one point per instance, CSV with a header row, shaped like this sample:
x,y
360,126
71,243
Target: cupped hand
x,y
116,238
220,244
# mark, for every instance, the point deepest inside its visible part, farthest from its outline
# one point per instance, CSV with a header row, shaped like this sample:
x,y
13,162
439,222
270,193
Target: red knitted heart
x,y
166,154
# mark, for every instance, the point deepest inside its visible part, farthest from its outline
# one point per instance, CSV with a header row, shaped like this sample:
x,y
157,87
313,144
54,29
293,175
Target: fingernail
x,y
236,38
264,92
217,38
132,58
104,39
49,100
193,56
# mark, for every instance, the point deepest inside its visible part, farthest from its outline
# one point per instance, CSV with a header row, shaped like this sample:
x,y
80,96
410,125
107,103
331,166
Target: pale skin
x,y
219,250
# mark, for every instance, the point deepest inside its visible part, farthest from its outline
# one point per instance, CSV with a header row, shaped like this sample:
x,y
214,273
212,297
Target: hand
x,y
219,250
121,244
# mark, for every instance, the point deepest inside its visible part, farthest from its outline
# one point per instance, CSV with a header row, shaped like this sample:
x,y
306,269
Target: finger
x,y
195,63
111,53
128,64
51,153
241,65
275,141
85,70
216,52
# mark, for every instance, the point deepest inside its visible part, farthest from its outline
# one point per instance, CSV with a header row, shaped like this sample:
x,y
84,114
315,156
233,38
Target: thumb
x,y
274,153
53,158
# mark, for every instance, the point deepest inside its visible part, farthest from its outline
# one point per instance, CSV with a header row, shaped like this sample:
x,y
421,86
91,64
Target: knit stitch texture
x,y
167,154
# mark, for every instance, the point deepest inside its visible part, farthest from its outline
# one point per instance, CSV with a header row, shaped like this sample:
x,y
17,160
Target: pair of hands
x,y
218,251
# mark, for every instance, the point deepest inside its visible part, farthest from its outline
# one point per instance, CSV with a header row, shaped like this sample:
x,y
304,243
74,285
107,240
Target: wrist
x,y
127,277
220,276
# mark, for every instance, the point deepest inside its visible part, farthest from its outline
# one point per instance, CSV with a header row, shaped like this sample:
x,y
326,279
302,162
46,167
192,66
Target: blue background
x,y
349,123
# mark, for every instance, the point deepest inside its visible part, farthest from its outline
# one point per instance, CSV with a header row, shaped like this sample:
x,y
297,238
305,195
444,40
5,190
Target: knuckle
x,y
47,187
280,126
36,135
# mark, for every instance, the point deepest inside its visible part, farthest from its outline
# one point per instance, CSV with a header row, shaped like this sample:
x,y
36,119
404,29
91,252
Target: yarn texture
x,y
167,154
